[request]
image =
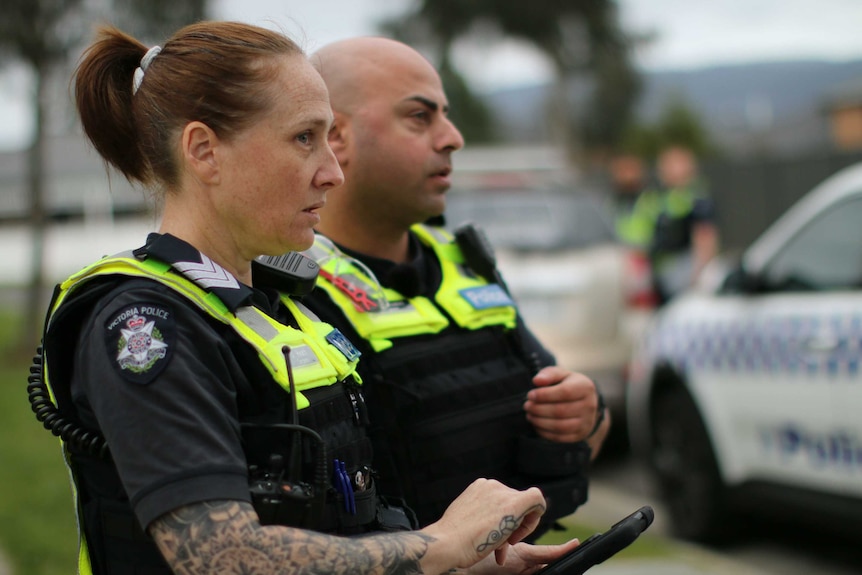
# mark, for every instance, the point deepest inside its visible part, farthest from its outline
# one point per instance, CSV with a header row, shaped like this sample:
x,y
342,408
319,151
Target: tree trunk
x,y
38,221
562,123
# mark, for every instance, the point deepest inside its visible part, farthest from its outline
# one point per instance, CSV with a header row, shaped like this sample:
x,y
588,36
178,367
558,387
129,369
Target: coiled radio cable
x,y
48,414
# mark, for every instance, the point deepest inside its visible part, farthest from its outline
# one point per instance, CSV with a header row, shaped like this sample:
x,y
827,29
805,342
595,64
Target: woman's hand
x,y
524,558
488,516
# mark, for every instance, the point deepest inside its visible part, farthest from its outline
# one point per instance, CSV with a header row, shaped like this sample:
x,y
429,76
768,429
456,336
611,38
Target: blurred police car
x,y
746,396
584,295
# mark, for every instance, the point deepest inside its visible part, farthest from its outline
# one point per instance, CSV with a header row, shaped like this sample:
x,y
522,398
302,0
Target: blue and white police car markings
x,y
837,449
774,345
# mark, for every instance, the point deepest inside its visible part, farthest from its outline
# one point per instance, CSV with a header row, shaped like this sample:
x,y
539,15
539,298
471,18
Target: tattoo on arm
x,y
508,524
226,537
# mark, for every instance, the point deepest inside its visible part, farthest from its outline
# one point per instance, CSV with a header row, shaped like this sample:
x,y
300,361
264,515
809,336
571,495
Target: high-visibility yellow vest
x,y
637,228
470,300
315,362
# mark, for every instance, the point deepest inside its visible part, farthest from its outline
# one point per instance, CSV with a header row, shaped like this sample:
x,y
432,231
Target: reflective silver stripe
x,y
302,356
254,320
305,311
207,273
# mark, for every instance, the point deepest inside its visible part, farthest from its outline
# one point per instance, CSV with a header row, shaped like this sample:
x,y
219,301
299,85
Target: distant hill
x,y
779,105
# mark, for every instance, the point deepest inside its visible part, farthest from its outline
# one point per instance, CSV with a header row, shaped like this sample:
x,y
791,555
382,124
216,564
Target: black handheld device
x,y
274,453
600,546
479,256
293,273
479,253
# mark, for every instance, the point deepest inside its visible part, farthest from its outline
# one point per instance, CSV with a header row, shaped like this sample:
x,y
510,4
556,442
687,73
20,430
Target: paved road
x,y
608,503
620,483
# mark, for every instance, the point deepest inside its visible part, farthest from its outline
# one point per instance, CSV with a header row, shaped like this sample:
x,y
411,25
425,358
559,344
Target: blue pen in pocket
x,y
350,495
343,485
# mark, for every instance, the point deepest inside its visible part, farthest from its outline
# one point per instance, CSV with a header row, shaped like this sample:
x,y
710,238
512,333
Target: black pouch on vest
x,y
543,458
560,470
287,474
338,520
394,515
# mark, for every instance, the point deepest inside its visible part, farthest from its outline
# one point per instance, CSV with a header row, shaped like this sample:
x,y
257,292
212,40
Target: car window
x,y
530,220
825,255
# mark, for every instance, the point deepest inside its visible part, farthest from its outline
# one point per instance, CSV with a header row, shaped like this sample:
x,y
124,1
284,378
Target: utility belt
x,y
293,482
362,512
122,546
118,543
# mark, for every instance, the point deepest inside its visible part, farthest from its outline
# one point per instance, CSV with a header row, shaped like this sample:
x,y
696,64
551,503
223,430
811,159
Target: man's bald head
x,y
393,140
353,68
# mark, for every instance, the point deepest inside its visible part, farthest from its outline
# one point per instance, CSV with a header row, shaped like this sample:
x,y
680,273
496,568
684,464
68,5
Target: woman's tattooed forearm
x,y
225,537
508,524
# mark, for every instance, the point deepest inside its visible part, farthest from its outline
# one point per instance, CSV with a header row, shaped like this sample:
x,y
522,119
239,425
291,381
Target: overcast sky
x,y
689,34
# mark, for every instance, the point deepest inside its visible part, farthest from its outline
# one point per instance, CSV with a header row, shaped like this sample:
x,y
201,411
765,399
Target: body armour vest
x,y
328,404
447,384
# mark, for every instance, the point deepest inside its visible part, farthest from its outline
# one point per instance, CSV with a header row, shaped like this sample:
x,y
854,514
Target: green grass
x,y
644,547
37,520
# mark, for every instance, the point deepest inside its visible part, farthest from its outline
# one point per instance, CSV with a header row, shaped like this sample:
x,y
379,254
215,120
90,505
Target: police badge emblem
x,y
141,345
141,336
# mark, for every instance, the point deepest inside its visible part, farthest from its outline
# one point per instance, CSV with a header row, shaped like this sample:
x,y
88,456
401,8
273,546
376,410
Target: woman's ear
x,y
199,144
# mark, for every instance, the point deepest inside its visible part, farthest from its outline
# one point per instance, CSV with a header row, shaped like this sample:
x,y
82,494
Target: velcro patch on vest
x,y
487,296
342,344
141,337
302,356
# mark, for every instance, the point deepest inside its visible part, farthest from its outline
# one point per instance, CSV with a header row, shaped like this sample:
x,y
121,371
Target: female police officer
x,y
180,380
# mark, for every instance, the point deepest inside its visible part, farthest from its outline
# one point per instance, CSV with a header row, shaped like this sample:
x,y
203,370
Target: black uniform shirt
x,y
166,385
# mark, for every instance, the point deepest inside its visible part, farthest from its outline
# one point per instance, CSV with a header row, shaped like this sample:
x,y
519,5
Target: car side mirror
x,y
741,281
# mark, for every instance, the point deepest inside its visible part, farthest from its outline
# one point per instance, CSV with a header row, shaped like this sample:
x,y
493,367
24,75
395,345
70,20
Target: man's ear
x,y
199,144
340,137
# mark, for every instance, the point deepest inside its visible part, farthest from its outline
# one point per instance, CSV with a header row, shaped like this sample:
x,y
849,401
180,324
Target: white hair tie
x,y
145,63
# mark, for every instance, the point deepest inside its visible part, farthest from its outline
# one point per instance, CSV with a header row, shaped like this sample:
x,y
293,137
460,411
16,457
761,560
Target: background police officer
x,y
674,223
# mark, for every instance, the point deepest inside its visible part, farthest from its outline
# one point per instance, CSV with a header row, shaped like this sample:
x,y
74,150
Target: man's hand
x,y
564,405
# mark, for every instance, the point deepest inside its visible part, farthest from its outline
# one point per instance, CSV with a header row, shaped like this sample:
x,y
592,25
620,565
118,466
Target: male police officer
x,y
457,387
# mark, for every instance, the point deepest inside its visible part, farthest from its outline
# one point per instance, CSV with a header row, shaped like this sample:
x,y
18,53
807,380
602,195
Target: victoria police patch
x,y
140,337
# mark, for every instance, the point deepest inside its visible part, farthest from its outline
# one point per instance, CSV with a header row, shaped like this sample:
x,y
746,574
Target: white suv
x,y
746,395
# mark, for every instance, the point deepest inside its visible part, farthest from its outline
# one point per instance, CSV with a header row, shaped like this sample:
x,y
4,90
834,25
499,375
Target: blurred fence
x,y
751,194
76,184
